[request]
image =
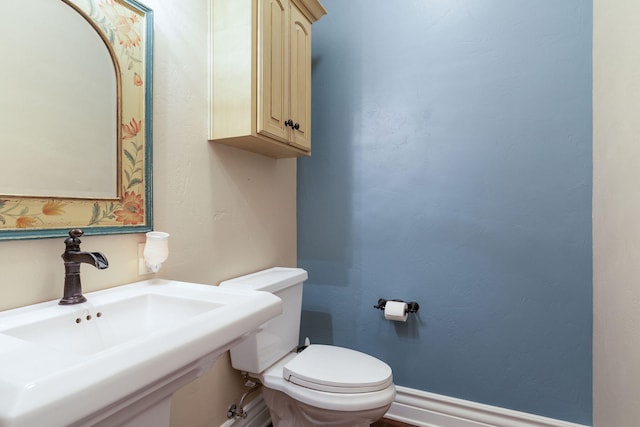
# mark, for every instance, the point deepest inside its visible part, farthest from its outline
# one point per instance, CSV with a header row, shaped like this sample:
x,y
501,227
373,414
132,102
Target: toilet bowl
x,y
322,385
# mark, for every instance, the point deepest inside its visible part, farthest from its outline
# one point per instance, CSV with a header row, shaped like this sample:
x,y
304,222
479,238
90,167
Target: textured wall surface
x,y
229,212
616,210
452,166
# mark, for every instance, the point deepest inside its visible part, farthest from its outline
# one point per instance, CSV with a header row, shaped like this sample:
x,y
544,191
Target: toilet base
x,y
287,412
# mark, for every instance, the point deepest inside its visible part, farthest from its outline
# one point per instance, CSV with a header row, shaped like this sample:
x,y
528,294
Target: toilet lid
x,y
337,370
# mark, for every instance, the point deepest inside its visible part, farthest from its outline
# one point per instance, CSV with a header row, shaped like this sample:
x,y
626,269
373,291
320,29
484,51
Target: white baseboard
x,y
257,415
424,409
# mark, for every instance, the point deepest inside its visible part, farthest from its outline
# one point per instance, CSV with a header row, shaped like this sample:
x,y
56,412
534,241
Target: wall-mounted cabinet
x,y
261,75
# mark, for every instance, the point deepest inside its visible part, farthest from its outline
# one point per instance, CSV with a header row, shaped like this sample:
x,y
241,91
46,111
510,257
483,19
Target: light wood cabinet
x,y
261,75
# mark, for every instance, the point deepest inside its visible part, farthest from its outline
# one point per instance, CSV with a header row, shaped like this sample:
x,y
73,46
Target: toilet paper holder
x,y
412,306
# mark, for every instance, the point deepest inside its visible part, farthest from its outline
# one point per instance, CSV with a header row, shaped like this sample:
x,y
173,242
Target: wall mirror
x,y
75,104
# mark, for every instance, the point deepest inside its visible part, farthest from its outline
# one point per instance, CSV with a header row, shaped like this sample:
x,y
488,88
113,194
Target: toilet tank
x,y
279,336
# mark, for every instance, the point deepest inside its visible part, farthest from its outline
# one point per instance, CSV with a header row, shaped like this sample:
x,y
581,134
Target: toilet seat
x,y
337,370
274,378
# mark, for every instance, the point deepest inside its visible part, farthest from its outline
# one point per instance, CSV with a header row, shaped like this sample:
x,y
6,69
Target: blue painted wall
x,y
452,166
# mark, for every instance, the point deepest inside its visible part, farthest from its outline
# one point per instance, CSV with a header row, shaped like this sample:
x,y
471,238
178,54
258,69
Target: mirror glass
x,y
76,117
59,104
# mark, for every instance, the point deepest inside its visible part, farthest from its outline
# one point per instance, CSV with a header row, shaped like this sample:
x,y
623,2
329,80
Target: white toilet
x,y
321,386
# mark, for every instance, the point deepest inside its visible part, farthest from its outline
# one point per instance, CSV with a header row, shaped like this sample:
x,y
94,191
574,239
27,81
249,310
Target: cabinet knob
x,y
295,126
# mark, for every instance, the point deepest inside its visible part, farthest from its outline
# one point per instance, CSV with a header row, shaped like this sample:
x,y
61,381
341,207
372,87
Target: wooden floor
x,y
390,423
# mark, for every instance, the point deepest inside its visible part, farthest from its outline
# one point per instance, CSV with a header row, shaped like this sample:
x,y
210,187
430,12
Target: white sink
x,y
117,358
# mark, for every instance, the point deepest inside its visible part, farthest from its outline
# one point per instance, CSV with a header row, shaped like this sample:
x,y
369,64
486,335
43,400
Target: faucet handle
x,y
73,241
76,232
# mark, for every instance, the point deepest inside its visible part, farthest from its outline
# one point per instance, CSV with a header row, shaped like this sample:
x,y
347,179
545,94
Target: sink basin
x,y
125,350
99,326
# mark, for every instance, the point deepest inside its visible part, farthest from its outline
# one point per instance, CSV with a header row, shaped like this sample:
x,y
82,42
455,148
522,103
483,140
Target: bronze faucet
x,y
72,258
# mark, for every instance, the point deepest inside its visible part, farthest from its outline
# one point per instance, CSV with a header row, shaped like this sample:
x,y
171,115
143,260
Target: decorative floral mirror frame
x,y
126,27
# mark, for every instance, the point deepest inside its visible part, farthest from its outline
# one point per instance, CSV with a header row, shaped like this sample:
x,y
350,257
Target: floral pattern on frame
x,y
123,27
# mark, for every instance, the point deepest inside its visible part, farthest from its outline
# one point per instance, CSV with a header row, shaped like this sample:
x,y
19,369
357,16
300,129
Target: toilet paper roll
x,y
396,311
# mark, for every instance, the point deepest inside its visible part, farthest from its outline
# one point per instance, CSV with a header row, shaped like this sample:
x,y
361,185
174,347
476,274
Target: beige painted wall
x,y
229,212
616,213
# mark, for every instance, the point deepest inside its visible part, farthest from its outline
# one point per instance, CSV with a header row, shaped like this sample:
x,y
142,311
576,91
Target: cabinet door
x,y
300,79
273,69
